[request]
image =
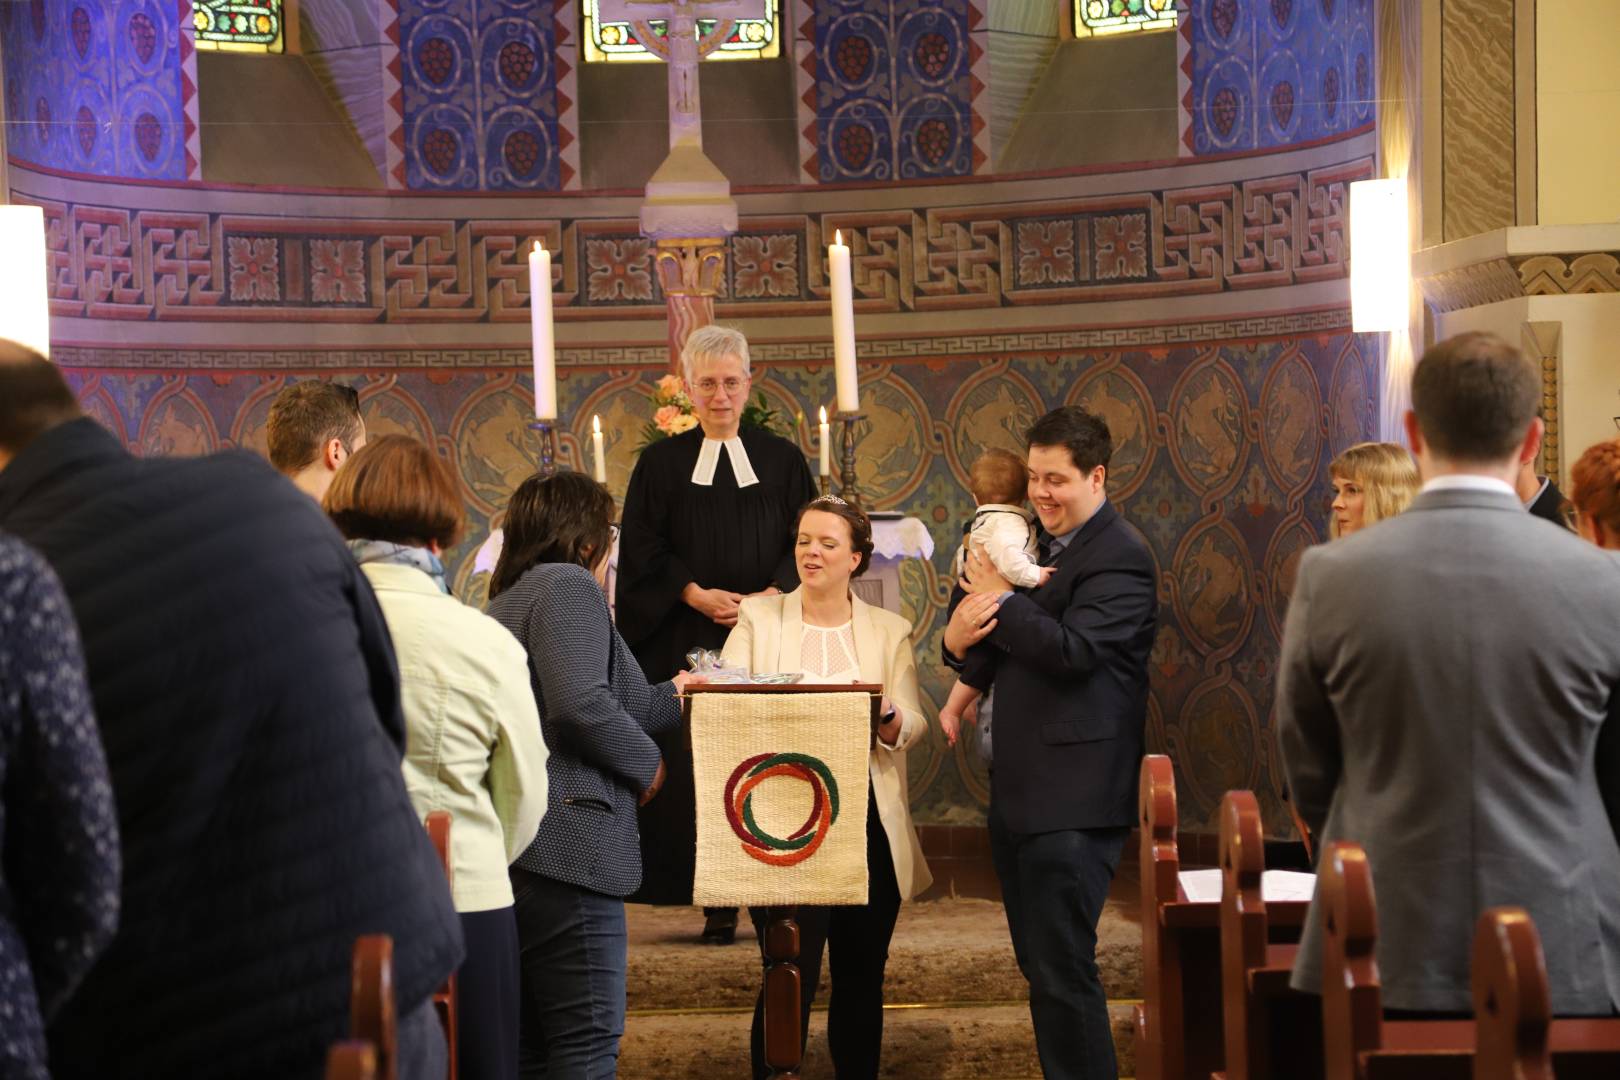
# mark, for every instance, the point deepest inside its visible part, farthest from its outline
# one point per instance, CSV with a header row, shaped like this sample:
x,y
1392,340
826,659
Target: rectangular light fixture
x,y
1380,256
25,309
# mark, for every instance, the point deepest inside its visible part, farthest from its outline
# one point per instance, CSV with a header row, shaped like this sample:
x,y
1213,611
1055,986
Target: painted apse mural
x,y
1225,408
1220,460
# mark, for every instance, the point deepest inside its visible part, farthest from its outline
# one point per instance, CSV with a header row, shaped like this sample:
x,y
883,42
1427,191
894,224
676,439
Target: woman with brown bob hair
x,y
598,714
1371,481
1595,495
472,733
830,635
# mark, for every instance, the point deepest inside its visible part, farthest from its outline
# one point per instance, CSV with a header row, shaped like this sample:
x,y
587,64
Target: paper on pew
x,y
1204,886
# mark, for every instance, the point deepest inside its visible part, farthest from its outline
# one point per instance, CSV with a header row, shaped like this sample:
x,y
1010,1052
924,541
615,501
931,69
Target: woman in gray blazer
x,y
598,715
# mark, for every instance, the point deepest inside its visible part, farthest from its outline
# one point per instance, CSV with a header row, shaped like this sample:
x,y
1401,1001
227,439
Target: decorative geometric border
x,y
1231,236
979,72
1513,277
393,96
972,344
189,107
1184,85
804,80
565,23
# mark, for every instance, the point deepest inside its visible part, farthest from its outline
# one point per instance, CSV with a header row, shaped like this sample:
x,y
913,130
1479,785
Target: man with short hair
x,y
313,427
248,699
1069,659
1434,706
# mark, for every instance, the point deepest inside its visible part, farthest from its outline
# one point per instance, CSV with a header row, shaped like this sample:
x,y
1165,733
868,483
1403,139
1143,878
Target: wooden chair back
x,y
444,999
1512,1002
1160,862
1243,931
373,1015
351,1060
1352,1002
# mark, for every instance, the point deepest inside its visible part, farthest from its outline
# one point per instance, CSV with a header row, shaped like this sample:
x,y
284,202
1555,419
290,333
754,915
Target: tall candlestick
x,y
826,444
843,320
596,442
545,344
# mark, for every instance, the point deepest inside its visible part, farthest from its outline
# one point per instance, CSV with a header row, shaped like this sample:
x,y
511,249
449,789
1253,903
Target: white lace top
x,y
827,654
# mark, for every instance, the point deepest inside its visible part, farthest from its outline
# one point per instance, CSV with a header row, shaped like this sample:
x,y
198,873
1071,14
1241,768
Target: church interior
x,y
1143,207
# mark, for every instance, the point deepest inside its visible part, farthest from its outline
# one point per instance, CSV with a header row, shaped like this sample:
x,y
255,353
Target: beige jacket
x,y
768,636
472,732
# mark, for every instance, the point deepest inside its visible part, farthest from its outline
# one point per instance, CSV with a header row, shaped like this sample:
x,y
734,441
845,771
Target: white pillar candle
x,y
596,444
826,444
545,345
25,307
843,320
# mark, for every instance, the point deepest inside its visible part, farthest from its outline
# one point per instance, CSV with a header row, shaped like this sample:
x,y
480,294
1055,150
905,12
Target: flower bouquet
x,y
673,414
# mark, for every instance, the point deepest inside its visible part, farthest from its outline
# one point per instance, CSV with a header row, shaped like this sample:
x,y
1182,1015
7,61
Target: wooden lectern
x,y
783,993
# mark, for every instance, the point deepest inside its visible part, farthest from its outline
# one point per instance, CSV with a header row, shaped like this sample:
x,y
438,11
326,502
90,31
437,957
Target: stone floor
x,y
957,1005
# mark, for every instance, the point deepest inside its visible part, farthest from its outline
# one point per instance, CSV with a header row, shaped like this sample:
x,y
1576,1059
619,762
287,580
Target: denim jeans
x,y
572,947
1053,886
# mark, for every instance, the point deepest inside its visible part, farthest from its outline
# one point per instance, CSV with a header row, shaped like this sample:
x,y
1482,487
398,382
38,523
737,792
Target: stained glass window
x,y
750,39
240,25
1095,17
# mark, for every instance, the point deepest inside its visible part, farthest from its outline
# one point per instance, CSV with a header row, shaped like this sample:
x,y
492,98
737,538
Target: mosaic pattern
x,y
1224,237
1259,75
479,95
1221,461
894,88
106,87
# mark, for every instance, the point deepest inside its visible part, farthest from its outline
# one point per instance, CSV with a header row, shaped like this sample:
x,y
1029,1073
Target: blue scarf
x,y
385,551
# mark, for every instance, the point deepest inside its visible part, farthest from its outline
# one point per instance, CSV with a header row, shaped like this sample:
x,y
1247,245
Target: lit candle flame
x,y
824,414
539,247
838,238
596,424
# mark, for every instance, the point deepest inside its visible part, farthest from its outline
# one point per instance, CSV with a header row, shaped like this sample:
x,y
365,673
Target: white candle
x,y
826,444
545,344
843,320
596,442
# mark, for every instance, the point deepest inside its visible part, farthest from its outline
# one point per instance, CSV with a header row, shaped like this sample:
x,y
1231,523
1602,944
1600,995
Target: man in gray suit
x,y
1449,698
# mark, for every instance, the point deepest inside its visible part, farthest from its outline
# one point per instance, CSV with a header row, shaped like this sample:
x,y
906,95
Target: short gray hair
x,y
712,342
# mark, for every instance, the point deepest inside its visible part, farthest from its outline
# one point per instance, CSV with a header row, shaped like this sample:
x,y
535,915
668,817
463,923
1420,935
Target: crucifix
x,y
689,211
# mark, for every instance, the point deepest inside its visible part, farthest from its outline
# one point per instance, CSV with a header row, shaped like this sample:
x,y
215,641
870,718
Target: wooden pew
x,y
371,1051
1518,1037
444,999
1270,1029
1179,1027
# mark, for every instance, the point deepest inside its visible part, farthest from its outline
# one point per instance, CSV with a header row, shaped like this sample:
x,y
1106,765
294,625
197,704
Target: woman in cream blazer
x,y
824,631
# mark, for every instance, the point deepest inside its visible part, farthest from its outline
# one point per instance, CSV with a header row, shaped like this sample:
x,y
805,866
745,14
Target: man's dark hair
x,y
305,416
33,397
566,518
1475,396
1084,434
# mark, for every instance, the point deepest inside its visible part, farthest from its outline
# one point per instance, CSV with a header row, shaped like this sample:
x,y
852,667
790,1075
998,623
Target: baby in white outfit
x,y
1005,531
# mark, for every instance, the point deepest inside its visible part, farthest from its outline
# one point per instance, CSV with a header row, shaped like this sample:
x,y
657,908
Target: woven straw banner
x,y
781,798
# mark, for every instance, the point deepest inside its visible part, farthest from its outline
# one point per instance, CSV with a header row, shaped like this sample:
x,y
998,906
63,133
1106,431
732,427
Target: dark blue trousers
x,y
1054,885
487,997
572,957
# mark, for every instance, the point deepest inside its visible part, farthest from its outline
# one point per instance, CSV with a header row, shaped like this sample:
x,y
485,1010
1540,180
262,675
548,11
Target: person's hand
x,y
970,715
718,605
652,789
1046,575
888,731
979,574
972,620
683,679
951,725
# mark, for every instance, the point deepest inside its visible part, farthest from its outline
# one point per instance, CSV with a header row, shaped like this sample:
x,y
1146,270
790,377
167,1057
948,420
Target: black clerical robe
x,y
720,536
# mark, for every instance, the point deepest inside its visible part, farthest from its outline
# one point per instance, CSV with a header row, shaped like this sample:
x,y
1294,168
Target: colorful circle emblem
x,y
803,841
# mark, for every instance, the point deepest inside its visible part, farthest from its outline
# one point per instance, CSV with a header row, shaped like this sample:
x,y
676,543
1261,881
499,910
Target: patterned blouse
x,y
59,907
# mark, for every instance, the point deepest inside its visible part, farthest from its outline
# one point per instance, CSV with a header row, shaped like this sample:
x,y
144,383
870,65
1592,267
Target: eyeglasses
x,y
731,385
613,535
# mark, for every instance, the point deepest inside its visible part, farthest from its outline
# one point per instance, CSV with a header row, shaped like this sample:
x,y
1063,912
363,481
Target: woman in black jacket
x,y
598,715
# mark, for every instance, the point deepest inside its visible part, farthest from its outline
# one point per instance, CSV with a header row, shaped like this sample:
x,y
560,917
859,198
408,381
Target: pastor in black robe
x,y
676,532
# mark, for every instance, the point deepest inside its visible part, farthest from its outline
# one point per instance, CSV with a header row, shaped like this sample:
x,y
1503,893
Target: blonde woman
x,y
1371,481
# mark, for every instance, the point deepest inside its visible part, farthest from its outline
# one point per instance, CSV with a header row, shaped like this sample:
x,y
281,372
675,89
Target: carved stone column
x,y
689,272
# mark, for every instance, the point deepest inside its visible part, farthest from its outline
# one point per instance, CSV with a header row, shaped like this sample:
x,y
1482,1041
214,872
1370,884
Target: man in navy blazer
x,y
1069,660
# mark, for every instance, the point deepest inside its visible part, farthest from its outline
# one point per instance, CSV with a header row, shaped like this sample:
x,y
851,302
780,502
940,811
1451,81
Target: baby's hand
x,y
1046,575
951,724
